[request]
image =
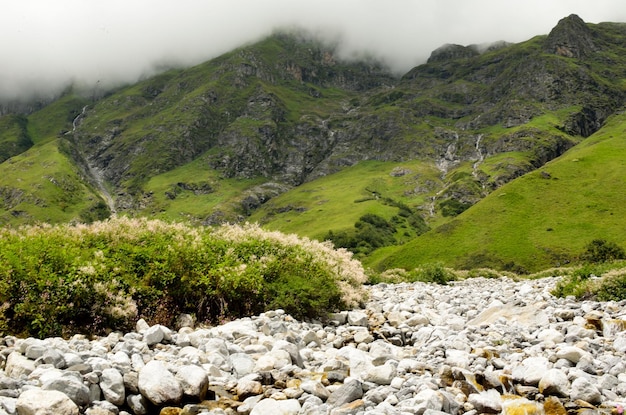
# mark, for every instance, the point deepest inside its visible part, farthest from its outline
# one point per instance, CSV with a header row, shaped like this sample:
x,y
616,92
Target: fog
x,y
47,45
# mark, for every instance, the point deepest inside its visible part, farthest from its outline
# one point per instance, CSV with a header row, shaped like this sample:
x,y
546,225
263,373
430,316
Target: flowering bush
x,y
56,280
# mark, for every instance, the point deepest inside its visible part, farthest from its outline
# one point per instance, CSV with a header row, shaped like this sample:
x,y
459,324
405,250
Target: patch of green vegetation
x,y
600,250
540,220
428,273
183,203
601,281
336,202
56,119
62,280
14,137
602,277
44,186
370,232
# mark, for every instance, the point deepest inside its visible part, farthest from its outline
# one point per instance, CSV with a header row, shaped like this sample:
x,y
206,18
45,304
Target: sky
x,y
45,45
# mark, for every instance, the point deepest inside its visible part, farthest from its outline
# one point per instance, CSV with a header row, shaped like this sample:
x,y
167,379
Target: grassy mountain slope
x,y
46,187
284,132
540,220
41,183
337,201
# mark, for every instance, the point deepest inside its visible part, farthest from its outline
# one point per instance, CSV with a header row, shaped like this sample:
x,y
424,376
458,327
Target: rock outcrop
x,y
570,38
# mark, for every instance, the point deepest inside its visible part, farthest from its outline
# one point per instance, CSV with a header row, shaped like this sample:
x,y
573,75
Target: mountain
x,y
541,220
287,133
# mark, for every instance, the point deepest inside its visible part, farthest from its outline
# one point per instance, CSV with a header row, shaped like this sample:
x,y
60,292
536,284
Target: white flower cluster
x,y
348,271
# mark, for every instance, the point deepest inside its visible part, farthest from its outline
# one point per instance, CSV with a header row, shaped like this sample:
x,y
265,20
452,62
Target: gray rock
x,y
103,408
138,404
292,349
185,321
17,365
351,408
193,380
72,359
550,335
249,403
158,384
121,361
248,386
424,400
315,388
131,381
619,343
54,357
311,337
35,351
607,381
274,407
571,353
358,318
350,391
363,337
45,402
242,364
112,386
380,375
313,407
584,389
338,318
486,402
71,384
531,370
141,326
554,382
279,358
154,334
95,393
9,404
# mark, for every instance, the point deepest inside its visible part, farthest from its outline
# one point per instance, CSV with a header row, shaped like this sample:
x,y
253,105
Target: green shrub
x,y
612,288
370,232
578,283
90,278
436,273
452,207
486,273
600,250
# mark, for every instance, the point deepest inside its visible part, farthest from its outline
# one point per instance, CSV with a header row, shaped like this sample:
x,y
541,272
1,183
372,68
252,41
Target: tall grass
x,y
56,280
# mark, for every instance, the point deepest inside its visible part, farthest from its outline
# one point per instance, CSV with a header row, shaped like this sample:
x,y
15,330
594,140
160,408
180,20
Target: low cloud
x,y
48,45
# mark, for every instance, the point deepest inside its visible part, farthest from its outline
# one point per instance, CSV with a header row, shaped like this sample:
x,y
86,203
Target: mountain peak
x,y
449,52
571,37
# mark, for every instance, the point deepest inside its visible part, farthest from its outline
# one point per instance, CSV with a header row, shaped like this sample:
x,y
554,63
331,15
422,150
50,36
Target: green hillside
x,y
286,133
45,185
541,220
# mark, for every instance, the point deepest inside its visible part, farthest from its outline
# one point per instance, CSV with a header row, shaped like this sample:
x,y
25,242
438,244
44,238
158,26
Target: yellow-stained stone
x,y
552,406
169,410
610,327
516,405
471,379
222,403
354,405
294,383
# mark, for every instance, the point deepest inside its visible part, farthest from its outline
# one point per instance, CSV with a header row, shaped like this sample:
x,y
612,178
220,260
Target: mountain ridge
x,y
223,140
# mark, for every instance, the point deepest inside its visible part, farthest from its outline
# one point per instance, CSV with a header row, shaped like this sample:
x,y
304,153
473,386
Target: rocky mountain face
x,y
288,110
